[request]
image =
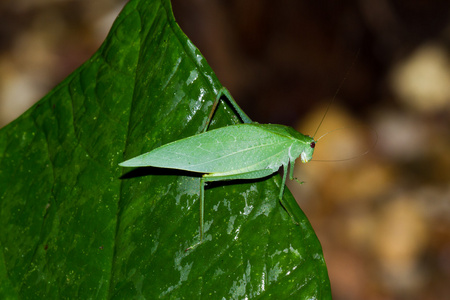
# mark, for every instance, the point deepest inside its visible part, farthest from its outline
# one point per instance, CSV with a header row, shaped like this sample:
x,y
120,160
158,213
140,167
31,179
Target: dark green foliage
x,y
72,225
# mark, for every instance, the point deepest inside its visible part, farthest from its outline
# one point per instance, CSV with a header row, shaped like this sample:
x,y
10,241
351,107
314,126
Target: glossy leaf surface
x,y
76,225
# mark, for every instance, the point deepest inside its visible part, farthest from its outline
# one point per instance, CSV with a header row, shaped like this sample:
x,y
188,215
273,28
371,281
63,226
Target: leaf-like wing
x,y
244,146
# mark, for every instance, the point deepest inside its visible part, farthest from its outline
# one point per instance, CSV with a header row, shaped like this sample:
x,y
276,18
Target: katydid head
x,y
308,150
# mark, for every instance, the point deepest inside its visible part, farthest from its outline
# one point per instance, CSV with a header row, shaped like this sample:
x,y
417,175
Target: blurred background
x,y
383,218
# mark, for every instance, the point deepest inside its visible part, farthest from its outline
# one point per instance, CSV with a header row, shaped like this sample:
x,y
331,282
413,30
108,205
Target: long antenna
x,y
337,92
353,157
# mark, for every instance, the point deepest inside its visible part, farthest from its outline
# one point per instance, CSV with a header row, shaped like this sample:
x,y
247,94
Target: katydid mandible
x,y
242,151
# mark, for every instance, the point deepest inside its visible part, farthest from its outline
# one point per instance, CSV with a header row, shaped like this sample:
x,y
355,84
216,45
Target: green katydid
x,y
242,151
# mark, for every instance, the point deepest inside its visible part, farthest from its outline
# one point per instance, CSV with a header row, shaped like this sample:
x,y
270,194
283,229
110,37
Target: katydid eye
x,y
313,144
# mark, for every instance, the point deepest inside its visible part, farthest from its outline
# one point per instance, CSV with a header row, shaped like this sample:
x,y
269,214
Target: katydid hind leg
x,y
202,214
211,113
224,92
202,206
208,178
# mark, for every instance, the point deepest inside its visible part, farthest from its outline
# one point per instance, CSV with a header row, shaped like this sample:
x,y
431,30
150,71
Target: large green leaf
x,y
76,225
